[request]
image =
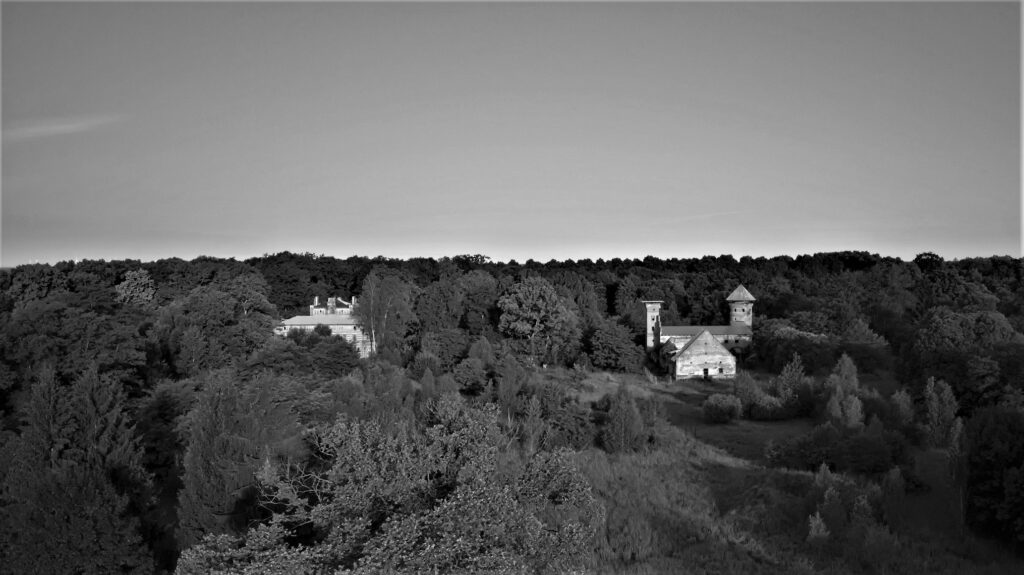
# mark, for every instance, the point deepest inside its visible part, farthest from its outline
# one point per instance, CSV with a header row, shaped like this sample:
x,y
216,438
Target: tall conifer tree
x,y
74,473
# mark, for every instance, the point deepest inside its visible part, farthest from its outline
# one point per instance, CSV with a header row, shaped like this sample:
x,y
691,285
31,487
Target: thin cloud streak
x,y
708,215
48,127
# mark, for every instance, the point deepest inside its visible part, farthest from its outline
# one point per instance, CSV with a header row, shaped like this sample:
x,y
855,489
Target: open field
x,y
742,438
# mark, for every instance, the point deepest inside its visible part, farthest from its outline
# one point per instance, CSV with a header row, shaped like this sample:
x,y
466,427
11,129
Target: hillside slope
x,y
687,507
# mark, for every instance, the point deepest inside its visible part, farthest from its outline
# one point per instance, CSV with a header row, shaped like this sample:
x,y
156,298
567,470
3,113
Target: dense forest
x,y
152,422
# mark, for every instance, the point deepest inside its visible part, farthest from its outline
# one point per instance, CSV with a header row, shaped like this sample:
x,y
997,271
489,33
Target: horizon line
x,y
502,261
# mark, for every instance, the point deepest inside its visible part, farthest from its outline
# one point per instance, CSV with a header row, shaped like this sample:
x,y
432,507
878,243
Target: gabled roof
x,y
325,319
703,340
740,294
693,330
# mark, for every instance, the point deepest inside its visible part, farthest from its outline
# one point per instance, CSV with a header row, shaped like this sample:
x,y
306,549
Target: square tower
x,y
741,307
653,322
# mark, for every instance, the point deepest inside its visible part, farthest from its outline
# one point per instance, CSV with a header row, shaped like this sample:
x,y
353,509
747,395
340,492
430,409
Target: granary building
x,y
336,314
707,351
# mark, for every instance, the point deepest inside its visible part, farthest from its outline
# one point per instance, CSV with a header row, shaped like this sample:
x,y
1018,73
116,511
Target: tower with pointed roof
x,y
741,307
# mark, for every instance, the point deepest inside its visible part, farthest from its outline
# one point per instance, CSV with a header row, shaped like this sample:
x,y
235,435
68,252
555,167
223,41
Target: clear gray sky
x,y
512,130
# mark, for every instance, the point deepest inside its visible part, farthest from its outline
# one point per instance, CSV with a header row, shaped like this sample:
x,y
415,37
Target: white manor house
x,y
335,314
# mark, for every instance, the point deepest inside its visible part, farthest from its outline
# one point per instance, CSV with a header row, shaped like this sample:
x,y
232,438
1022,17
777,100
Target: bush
x,y
863,453
843,449
770,408
879,408
757,404
624,430
721,408
747,390
652,410
817,531
903,408
807,452
810,397
471,376
894,497
995,459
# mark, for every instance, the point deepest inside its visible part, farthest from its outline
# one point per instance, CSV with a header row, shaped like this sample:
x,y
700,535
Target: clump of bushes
x,y
782,398
721,408
769,408
846,519
871,452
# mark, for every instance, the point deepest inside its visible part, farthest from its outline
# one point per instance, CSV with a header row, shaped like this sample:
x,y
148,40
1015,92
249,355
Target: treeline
x,y
155,392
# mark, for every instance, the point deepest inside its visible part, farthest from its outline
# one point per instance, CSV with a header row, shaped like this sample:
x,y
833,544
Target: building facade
x,y
335,314
703,350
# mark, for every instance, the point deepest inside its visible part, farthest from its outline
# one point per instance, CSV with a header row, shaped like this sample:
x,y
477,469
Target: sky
x,y
518,131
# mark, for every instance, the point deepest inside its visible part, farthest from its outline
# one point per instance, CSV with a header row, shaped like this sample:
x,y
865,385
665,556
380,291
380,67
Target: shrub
x,y
770,408
894,499
652,410
624,430
853,412
995,458
817,531
471,376
833,512
809,397
880,409
423,362
864,453
844,377
746,390
757,404
807,452
721,408
941,408
570,426
903,406
878,549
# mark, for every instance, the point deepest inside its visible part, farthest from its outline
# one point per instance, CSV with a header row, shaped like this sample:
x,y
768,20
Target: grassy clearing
x,y
742,438
598,384
682,401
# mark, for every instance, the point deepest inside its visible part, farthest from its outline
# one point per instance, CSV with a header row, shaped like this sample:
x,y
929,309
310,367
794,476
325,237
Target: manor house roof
x,y
324,319
694,330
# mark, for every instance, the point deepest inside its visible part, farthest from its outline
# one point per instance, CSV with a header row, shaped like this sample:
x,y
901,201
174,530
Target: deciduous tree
x,y
137,288
385,309
532,311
